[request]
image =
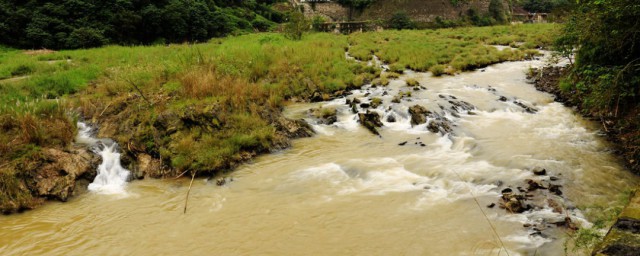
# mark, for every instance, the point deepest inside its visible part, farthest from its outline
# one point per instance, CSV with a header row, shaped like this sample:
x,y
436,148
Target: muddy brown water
x,y
348,192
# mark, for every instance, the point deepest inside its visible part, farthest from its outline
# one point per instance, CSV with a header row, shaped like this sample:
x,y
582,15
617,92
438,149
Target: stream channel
x,y
346,191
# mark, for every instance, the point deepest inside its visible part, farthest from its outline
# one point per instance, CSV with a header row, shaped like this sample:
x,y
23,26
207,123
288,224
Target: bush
x,y
86,38
400,20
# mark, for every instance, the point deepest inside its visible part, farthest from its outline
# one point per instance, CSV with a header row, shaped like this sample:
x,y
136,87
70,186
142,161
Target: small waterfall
x,y
112,177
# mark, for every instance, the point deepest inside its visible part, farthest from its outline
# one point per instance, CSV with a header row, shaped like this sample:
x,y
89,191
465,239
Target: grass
x,y
445,51
208,107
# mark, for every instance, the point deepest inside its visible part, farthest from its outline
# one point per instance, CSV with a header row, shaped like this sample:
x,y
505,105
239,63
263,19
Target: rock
x,y
439,124
491,205
324,115
513,203
418,114
502,98
526,108
402,143
356,101
461,105
553,204
391,118
146,165
292,128
56,176
370,120
365,105
533,185
221,181
395,99
555,189
316,97
539,171
553,178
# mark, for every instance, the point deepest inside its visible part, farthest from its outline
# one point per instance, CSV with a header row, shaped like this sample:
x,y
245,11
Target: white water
x,y
112,177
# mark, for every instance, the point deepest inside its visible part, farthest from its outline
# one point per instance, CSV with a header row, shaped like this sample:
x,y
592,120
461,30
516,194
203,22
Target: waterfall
x,y
112,177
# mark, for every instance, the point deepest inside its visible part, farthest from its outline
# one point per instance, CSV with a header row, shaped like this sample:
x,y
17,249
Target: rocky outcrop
x,y
54,175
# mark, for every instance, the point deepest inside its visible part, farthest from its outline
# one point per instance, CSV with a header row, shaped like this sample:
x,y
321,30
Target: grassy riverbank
x,y
206,108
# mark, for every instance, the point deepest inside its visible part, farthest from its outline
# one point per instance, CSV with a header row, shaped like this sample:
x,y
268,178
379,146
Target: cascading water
x,y
112,177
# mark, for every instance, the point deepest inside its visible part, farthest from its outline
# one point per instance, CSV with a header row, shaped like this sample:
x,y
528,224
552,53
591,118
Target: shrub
x,y
400,20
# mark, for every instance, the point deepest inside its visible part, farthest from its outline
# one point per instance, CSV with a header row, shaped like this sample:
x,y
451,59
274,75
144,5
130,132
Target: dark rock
x,y
526,108
391,118
385,93
316,97
539,171
621,250
402,143
370,120
553,178
221,181
555,189
439,124
628,225
502,98
491,205
356,101
533,185
365,105
460,106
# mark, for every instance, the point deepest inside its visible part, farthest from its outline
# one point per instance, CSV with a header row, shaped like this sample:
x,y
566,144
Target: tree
x,y
297,25
496,10
400,20
607,66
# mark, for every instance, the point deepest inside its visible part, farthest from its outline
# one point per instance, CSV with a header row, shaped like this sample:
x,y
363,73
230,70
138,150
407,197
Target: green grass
x,y
460,49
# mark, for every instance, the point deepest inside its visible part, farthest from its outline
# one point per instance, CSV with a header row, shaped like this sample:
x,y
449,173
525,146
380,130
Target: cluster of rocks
x,y
537,194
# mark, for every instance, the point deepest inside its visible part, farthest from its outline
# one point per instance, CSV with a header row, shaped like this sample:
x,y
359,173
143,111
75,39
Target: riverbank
x,y
623,238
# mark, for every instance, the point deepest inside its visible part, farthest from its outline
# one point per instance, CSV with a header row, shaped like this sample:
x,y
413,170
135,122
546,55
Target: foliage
x,y
89,23
544,6
607,59
400,20
497,12
296,26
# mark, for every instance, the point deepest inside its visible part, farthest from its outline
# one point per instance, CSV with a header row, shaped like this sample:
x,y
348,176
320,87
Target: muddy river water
x,y
346,191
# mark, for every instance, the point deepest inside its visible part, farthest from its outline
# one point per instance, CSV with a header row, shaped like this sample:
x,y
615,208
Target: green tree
x,y
297,25
497,12
400,20
604,34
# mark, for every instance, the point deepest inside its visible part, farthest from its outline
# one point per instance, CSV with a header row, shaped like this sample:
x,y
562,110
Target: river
x,y
346,191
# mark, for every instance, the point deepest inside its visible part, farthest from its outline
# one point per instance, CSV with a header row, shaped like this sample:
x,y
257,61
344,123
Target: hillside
x,y
422,11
